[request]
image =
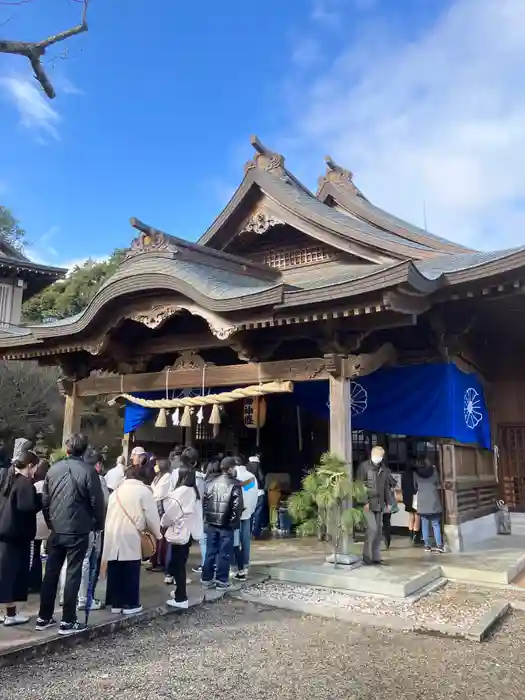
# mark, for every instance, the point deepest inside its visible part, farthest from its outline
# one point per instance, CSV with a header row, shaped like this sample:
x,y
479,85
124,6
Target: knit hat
x,y
21,445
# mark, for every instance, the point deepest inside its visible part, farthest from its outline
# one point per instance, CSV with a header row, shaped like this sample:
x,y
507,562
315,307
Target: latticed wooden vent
x,y
282,259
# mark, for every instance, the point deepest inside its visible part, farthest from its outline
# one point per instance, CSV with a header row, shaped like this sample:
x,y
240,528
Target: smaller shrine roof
x,y
336,186
446,264
36,276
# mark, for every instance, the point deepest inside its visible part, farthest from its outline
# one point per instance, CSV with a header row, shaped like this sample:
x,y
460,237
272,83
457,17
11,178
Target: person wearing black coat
x,y
73,506
19,505
409,491
222,506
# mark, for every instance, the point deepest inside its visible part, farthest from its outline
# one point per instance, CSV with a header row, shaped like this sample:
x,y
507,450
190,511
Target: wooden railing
x,y
474,501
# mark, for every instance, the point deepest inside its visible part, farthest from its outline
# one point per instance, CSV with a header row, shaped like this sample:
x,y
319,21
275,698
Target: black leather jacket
x,y
223,502
72,498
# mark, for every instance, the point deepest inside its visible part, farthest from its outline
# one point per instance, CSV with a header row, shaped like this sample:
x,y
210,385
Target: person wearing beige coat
x,y
132,509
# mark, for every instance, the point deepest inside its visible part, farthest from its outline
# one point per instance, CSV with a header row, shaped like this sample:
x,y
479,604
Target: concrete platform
x,y
497,561
395,581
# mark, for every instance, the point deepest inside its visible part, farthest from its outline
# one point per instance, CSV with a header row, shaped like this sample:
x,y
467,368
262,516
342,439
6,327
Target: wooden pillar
x,y
72,414
340,419
451,527
125,446
341,444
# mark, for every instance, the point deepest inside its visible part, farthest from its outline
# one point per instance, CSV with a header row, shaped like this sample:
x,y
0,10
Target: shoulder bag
x,y
148,543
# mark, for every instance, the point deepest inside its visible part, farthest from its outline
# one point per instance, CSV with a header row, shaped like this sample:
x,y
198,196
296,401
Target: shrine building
x,y
324,323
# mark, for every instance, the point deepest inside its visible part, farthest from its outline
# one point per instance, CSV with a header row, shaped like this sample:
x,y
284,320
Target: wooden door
x,y
511,465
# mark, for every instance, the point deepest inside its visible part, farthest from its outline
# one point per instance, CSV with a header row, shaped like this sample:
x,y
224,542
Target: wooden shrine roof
x,y
13,262
337,188
376,254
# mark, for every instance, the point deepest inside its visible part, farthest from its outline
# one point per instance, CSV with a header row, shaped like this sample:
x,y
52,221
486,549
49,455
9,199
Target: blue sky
x,y
421,99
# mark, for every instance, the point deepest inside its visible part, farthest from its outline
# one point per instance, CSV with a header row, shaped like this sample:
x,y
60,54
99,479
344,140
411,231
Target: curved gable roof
x,y
267,175
337,186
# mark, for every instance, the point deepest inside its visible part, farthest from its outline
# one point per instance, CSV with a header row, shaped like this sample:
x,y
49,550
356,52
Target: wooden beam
x,y
366,363
213,376
159,346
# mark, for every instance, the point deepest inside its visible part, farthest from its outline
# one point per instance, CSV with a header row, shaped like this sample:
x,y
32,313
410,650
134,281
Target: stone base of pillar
x,y
350,560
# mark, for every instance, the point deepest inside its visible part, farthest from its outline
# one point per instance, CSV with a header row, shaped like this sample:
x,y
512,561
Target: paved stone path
x,y
239,651
153,591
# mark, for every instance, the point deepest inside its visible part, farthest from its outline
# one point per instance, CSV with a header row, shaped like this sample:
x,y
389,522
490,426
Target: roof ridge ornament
x,y
149,240
338,175
265,159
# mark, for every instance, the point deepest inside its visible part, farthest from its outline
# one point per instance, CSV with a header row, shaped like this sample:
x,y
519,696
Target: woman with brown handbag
x,y
131,532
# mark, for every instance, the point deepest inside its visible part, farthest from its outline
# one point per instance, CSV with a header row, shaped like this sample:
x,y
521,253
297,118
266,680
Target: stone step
x,y
458,571
396,581
517,521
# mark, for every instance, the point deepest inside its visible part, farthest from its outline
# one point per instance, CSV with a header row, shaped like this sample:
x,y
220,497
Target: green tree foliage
x,y
326,502
10,230
70,296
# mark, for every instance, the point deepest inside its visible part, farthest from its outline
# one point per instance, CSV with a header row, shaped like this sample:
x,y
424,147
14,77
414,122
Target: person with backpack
x,y
73,506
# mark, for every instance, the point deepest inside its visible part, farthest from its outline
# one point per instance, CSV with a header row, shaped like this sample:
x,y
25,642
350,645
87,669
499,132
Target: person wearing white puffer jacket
x,y
183,521
243,537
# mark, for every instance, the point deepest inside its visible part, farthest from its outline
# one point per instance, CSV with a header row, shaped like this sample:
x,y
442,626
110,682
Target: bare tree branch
x,y
34,51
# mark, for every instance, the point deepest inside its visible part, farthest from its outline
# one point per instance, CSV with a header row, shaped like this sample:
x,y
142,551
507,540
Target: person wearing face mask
x,y
19,505
376,476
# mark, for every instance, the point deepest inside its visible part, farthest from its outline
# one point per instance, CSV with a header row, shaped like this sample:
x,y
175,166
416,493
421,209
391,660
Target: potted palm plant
x,y
329,501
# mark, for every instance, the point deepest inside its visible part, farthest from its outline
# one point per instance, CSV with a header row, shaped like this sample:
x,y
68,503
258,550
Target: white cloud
x,y
49,256
328,11
42,250
34,109
306,53
63,84
437,121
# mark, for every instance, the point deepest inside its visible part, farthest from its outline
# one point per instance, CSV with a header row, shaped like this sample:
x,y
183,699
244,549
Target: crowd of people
x,y
95,525
90,524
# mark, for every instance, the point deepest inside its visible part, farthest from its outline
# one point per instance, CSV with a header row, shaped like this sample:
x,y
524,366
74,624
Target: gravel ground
x,y
455,604
238,651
